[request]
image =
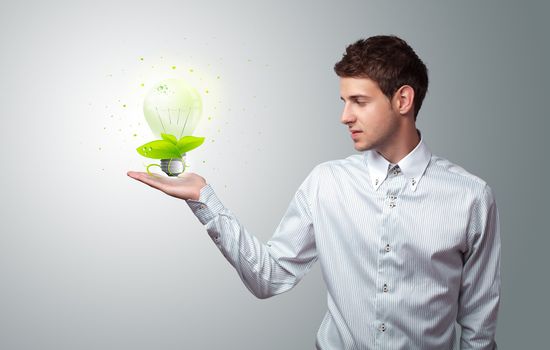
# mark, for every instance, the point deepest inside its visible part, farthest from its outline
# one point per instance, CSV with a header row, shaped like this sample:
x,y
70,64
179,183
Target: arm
x,y
480,290
266,269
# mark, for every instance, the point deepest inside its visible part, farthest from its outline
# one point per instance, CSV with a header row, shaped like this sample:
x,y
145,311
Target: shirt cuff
x,y
207,207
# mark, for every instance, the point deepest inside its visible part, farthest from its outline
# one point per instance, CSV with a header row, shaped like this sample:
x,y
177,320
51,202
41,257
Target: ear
x,y
404,100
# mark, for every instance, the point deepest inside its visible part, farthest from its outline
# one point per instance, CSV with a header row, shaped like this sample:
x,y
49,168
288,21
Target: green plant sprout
x,y
169,149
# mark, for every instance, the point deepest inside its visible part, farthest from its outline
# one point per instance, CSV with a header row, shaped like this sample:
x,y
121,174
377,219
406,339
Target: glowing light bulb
x,y
172,108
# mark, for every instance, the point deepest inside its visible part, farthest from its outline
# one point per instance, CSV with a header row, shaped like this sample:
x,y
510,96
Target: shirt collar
x,y
413,165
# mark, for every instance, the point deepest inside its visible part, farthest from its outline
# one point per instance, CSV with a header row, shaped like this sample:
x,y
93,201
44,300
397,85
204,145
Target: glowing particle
x,y
124,105
135,135
149,149
173,67
142,84
206,91
191,70
141,58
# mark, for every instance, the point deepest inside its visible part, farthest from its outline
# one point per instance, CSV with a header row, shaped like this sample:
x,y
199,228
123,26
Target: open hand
x,y
185,186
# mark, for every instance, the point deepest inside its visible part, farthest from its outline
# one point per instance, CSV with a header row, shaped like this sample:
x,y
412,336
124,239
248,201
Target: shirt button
x,y
385,288
202,206
382,327
387,248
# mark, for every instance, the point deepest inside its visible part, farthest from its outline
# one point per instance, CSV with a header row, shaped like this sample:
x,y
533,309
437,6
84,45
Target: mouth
x,y
354,134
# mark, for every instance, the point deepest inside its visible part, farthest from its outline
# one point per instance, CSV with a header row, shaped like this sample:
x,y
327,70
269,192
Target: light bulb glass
x,y
172,107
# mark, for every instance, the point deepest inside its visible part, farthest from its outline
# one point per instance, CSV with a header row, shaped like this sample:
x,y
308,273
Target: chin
x,y
361,147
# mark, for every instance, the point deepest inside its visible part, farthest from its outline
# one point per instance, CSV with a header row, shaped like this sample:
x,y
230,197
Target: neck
x,y
403,144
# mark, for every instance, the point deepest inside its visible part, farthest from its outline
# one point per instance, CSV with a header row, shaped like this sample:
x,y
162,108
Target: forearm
x,y
257,264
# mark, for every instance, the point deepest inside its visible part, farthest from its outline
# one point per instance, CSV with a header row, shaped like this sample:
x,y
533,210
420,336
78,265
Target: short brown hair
x,y
390,62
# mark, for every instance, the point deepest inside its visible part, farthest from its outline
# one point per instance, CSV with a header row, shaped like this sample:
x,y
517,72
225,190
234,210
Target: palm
x,y
186,186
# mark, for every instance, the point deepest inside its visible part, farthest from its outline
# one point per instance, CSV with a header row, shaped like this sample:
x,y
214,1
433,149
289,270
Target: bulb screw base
x,y
173,166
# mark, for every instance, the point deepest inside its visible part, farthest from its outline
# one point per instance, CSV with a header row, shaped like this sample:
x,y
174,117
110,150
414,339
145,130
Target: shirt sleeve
x,y
480,289
266,269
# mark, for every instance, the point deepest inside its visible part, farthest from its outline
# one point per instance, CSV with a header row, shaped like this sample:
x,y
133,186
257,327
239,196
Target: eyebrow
x,y
355,97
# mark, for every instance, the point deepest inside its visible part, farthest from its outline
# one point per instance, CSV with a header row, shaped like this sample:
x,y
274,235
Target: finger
x,y
151,180
139,175
136,175
133,174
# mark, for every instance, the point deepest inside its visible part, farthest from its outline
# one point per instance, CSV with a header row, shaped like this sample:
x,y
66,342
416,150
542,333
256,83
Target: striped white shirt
x,y
406,250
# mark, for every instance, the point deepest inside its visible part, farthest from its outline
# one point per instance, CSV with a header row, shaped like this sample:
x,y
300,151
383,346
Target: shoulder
x,y
330,166
331,170
461,178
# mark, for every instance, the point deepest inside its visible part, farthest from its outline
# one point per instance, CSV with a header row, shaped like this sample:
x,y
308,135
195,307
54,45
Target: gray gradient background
x,y
91,259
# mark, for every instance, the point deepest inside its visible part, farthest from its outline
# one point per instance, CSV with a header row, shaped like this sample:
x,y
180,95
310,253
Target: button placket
x,y
393,188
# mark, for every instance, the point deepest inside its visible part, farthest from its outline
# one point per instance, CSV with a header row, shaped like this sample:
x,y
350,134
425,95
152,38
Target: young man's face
x,y
368,113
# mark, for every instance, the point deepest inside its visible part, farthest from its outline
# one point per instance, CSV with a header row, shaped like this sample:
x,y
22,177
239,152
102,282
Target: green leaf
x,y
188,143
159,149
170,138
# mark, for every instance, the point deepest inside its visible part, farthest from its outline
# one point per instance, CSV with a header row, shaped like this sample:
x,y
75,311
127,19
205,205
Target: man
x,y
408,242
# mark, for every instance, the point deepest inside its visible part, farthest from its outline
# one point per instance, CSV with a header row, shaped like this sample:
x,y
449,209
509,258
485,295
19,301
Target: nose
x,y
347,115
